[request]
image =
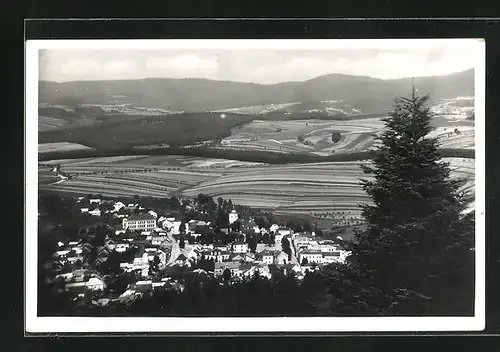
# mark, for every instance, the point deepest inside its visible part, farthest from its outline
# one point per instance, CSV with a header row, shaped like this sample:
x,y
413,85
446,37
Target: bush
x,y
336,137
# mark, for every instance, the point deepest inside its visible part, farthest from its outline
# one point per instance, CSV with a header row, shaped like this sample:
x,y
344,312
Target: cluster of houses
x,y
151,237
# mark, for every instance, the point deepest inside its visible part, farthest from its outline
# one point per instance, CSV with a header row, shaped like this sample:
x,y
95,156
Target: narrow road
x,y
175,251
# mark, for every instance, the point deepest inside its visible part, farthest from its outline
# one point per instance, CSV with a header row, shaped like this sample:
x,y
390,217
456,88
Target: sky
x,y
264,66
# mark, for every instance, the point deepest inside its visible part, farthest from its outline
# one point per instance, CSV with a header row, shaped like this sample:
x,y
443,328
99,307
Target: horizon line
x,y
261,84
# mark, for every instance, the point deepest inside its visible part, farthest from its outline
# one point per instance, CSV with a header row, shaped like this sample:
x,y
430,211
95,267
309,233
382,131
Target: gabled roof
x,y
142,216
266,253
311,252
181,257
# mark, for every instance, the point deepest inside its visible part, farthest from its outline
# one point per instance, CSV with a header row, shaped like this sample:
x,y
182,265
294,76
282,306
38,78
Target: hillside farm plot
x,y
62,146
46,176
325,190
304,136
46,123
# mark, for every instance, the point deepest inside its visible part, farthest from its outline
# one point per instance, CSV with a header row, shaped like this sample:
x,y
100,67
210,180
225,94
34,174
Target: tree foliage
x,y
336,137
417,239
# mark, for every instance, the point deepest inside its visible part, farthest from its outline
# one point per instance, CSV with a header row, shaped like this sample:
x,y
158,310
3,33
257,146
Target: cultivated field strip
x,y
321,187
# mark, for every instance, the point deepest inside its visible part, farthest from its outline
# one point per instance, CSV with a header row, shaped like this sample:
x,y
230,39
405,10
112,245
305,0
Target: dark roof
x,y
311,252
230,265
266,252
143,216
181,257
331,254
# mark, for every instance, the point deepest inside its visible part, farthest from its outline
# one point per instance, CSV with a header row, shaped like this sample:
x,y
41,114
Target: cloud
x,y
182,66
80,68
258,66
118,69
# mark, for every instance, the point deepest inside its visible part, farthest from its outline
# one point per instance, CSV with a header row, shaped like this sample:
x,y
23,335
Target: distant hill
x,y
199,95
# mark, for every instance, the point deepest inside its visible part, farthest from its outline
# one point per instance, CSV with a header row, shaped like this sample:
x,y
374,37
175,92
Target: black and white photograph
x,y
331,185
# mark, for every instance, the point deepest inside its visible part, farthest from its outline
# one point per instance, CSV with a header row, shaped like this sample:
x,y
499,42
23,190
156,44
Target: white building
x,y
267,257
240,247
283,231
122,247
95,200
153,214
282,258
95,284
118,205
233,216
139,222
95,212
311,257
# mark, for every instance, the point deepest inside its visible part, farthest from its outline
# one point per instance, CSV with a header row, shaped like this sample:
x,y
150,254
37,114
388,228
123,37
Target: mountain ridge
x,y
199,94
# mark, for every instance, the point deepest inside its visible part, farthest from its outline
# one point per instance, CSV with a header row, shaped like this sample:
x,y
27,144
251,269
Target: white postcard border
x,y
35,324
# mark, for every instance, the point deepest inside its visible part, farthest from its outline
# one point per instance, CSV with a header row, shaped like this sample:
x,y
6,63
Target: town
x,y
117,250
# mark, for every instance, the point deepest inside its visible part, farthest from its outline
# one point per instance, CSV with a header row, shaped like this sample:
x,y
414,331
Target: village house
x,y
95,212
122,247
93,284
154,251
131,206
274,228
72,257
182,260
159,240
139,222
233,216
234,268
66,277
311,257
84,210
288,268
331,257
217,255
284,231
194,254
263,270
117,206
247,270
249,257
110,244
327,248
95,201
237,257
239,247
143,269
266,256
153,214
281,258
278,238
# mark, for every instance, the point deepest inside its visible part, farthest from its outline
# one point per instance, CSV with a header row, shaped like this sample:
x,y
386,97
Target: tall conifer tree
x,y
418,238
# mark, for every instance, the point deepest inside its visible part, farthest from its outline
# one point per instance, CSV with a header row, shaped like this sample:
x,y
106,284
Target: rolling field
x,y
326,188
356,135
62,146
